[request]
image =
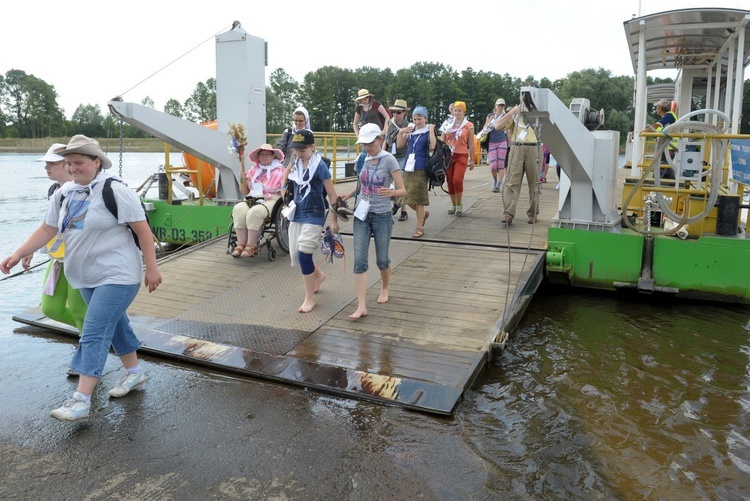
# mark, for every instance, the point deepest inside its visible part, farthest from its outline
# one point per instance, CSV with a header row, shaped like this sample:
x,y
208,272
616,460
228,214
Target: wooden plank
x,y
446,298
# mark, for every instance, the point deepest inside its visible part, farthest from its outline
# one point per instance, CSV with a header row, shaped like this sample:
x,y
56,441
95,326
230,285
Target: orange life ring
x,y
206,171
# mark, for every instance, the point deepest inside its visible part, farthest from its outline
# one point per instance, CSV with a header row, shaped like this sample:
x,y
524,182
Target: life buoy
x,y
206,171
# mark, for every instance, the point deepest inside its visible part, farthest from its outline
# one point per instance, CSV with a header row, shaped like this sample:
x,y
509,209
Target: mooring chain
x,y
122,142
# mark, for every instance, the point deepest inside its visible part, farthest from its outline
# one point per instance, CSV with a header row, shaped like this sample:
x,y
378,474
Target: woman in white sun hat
x,y
60,301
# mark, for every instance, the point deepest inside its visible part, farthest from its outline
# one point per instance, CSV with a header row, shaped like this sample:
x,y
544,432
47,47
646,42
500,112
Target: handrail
x,y
179,170
338,146
330,144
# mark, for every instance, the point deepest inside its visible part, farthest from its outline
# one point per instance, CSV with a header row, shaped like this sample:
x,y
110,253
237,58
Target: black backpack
x,y
110,202
437,165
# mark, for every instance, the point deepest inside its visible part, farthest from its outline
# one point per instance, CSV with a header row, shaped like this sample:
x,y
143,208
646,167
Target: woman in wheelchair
x,y
261,191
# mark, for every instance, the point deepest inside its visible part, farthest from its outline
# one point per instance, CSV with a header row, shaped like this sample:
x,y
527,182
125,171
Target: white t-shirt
x,y
98,249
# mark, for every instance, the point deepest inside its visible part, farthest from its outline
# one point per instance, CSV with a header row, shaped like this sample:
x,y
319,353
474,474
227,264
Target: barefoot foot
x,y
358,314
319,278
307,306
383,298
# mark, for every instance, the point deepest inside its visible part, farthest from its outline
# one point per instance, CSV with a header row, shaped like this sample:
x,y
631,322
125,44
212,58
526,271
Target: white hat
x,y
51,156
500,101
368,133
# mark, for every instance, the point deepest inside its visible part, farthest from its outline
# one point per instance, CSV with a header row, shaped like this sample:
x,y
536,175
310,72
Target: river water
x,y
596,397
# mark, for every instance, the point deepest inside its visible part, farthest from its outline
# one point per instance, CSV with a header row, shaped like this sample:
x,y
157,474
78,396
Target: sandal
x,y
239,248
417,233
249,251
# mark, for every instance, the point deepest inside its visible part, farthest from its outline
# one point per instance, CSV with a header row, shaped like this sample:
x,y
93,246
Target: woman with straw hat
x,y
369,111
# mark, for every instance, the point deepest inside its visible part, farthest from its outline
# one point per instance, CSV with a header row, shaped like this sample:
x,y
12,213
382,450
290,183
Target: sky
x,y
92,51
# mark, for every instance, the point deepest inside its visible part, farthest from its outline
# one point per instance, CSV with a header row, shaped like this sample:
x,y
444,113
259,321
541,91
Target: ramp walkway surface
x,y
452,293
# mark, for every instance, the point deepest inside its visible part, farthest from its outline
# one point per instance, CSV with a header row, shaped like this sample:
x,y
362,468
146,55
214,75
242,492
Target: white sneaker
x,y
72,410
127,383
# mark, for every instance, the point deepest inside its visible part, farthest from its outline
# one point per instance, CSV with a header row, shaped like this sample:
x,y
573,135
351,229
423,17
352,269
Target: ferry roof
x,y
688,38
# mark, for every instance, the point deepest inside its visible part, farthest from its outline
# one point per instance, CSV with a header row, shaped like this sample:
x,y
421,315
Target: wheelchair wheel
x,y
231,240
271,253
281,227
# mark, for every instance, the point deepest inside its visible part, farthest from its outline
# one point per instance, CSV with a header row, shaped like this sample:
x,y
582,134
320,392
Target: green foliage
x,y
282,97
28,105
174,108
201,105
88,120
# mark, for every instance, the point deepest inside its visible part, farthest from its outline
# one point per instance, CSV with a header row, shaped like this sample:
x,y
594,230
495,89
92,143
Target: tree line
x,y
29,108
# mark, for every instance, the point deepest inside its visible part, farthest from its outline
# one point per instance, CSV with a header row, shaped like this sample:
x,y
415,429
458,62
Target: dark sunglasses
x,y
399,112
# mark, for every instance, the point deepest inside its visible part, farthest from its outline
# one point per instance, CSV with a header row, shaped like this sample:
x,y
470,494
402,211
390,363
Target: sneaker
x,y
338,246
342,209
127,383
72,410
459,211
72,373
326,243
452,210
496,189
403,217
395,209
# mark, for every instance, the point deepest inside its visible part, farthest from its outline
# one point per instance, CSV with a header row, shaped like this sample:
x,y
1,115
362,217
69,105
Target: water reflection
x,y
625,398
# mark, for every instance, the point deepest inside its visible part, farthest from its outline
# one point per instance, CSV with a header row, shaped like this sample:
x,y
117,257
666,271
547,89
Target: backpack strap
x,y
108,195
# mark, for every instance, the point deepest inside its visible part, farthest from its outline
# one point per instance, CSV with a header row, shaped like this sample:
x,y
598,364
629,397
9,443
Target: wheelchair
x,y
277,228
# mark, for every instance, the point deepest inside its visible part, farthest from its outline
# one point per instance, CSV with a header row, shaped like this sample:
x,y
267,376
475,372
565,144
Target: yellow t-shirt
x,y
520,132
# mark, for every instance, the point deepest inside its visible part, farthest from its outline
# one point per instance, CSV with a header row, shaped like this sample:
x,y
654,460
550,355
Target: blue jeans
x,y
105,325
379,226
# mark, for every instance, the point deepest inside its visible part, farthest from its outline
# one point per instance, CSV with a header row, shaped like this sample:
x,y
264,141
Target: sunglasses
x,y
399,112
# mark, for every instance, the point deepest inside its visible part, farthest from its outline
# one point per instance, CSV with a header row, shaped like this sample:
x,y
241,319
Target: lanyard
x,y
369,177
414,143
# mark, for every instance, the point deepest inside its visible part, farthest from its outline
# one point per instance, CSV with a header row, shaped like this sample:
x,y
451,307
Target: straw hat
x,y
399,105
363,93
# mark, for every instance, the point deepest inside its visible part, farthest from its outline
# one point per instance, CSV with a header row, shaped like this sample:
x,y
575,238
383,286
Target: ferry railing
x,y
340,147
687,190
169,170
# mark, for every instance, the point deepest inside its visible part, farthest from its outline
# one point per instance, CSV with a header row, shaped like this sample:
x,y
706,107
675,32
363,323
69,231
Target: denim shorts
x,y
379,226
105,325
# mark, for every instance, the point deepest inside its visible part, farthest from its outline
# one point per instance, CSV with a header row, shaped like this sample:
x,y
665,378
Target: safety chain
x,y
122,142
